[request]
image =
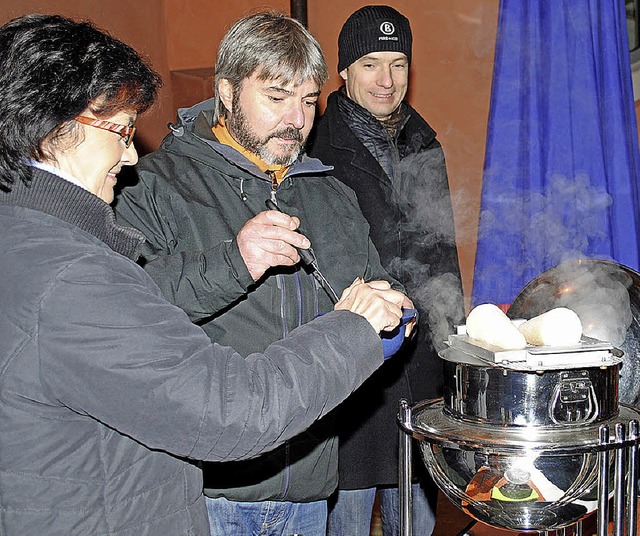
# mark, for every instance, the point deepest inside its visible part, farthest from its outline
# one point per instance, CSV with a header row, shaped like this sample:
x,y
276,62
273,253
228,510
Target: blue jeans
x,y
351,513
267,518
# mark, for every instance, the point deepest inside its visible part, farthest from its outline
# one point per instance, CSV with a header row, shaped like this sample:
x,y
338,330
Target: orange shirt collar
x,y
222,134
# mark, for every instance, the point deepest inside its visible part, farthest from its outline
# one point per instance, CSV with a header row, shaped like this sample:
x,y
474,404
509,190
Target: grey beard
x,y
283,160
239,127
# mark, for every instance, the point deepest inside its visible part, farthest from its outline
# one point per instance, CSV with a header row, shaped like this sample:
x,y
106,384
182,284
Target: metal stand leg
x,y
625,490
404,473
632,495
618,487
603,483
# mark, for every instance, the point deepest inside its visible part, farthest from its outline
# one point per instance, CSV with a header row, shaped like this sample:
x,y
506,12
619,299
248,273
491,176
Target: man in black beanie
x,y
388,154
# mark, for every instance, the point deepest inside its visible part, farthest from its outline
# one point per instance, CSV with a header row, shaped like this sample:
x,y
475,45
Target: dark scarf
x,y
379,137
57,197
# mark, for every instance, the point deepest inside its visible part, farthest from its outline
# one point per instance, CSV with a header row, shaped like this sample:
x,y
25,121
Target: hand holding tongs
x,y
309,258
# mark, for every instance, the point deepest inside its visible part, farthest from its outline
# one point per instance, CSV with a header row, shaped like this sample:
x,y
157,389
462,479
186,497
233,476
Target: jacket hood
x,y
192,136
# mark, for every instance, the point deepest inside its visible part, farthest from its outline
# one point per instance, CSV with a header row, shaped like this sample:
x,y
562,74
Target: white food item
x,y
557,327
489,324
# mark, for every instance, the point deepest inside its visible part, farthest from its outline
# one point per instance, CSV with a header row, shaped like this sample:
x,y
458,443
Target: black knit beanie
x,y
373,29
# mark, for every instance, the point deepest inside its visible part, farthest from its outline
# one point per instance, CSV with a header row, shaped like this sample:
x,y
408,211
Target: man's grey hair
x,y
275,45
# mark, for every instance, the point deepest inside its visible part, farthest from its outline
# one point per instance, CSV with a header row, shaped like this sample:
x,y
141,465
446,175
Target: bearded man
x,y
232,266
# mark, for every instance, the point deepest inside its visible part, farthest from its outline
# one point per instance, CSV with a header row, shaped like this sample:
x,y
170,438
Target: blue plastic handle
x,y
408,315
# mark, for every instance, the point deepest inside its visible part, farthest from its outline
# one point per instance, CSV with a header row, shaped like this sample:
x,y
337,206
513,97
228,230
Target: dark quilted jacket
x,y
404,194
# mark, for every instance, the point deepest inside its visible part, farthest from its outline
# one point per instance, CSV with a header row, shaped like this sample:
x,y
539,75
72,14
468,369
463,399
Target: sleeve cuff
x,y
238,267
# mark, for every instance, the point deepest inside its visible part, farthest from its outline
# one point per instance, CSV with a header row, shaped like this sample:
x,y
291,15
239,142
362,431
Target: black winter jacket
x,y
107,390
193,197
403,192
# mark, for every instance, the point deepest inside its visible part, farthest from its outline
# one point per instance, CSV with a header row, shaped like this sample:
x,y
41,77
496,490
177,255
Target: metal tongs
x,y
309,258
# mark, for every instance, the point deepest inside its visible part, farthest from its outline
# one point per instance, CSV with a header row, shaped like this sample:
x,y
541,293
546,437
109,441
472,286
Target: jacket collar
x,y
57,197
342,138
198,121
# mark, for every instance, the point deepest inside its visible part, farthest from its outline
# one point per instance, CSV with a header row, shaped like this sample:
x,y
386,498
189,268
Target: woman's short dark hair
x,y
53,68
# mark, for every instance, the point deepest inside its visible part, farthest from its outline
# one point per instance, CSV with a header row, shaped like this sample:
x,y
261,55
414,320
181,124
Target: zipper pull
x,y
274,184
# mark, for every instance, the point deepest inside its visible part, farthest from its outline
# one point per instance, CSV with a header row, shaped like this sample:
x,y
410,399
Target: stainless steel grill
x,y
530,440
598,474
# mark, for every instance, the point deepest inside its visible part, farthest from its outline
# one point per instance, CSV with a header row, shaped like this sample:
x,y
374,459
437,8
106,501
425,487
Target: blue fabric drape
x,y
562,165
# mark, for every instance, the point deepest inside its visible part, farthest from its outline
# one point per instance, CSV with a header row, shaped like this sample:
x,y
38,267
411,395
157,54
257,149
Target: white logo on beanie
x,y
387,28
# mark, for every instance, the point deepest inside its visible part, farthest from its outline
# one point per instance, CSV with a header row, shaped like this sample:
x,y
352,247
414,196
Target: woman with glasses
x,y
108,393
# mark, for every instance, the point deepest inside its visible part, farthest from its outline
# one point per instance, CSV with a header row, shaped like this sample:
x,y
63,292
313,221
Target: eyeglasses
x,y
124,131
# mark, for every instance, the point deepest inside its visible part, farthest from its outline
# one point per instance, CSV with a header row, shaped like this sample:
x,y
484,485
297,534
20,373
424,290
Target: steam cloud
x,y
421,191
563,223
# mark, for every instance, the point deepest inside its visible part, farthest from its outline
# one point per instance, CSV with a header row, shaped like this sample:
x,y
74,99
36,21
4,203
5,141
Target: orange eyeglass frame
x,y
124,131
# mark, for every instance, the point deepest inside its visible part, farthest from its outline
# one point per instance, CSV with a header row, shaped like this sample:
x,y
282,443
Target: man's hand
x,y
377,302
269,239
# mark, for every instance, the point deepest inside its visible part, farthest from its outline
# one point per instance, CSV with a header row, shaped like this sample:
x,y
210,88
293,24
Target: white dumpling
x,y
488,323
557,327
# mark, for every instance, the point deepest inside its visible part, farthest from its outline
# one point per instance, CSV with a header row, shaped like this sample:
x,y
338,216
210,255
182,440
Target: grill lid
x,y
606,296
